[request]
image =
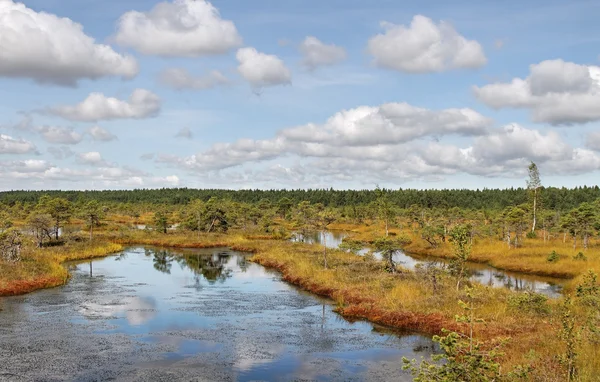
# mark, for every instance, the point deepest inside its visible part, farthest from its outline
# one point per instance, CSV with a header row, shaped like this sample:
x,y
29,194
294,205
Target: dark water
x,y
481,273
156,314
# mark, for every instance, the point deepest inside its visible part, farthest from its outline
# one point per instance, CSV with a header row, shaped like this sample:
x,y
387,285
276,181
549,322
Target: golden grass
x,y
363,289
530,258
42,268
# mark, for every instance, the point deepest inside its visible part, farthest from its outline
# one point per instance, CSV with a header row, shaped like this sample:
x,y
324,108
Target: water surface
x,y
160,314
481,273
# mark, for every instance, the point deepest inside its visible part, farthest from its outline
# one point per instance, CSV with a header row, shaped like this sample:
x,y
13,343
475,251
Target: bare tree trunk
x,y
534,209
211,225
585,241
386,228
324,249
575,242
564,237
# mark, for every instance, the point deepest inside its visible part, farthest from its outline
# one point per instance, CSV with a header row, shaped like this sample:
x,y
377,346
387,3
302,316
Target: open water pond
x,y
481,273
193,315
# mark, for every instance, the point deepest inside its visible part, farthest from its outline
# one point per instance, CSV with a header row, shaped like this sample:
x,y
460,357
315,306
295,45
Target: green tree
x,y
388,248
384,208
460,239
40,225
93,214
161,221
59,209
464,358
5,221
284,206
570,335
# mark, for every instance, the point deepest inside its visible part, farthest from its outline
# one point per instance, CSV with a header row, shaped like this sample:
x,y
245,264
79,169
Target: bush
x,y
553,257
580,257
531,235
529,302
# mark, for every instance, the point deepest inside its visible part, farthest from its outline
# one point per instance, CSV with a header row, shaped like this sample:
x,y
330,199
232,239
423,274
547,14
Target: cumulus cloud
x,y
100,134
261,69
24,166
59,135
10,145
96,107
181,79
556,92
364,132
52,49
184,133
92,157
387,124
388,143
593,141
316,53
43,175
424,47
187,28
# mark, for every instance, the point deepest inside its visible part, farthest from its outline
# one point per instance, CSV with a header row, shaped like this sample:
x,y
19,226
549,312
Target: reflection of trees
x,y
162,259
211,267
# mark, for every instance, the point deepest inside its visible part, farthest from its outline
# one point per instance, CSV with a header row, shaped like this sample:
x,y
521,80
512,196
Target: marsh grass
x,y
531,257
42,267
363,289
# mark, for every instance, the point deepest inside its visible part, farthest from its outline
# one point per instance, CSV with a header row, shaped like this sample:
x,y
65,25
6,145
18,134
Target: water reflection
x,y
481,273
216,314
137,310
331,239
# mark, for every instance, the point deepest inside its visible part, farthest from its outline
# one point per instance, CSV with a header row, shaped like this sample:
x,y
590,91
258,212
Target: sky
x,y
298,94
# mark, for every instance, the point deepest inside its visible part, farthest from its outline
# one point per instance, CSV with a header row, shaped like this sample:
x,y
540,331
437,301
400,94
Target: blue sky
x,y
443,95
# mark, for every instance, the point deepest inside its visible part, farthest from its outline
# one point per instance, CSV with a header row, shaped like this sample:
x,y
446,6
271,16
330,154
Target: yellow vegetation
x,y
42,268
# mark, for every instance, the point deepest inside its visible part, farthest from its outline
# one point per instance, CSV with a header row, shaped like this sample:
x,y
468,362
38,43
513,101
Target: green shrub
x,y
529,302
531,235
553,257
580,257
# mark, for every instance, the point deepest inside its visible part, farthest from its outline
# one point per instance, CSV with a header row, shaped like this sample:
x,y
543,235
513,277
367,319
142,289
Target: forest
x,y
484,333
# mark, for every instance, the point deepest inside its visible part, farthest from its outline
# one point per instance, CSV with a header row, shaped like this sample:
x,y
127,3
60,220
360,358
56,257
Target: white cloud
x,y
187,28
364,132
100,134
96,107
387,124
25,166
180,79
184,133
51,49
261,69
593,141
92,157
516,142
316,53
59,135
556,92
424,47
10,145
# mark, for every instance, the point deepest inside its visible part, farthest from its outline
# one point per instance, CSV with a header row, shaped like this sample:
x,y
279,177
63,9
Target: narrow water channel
x,y
161,314
481,273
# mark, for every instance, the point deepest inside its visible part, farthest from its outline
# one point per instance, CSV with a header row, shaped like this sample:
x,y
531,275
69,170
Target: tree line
x,y
551,197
